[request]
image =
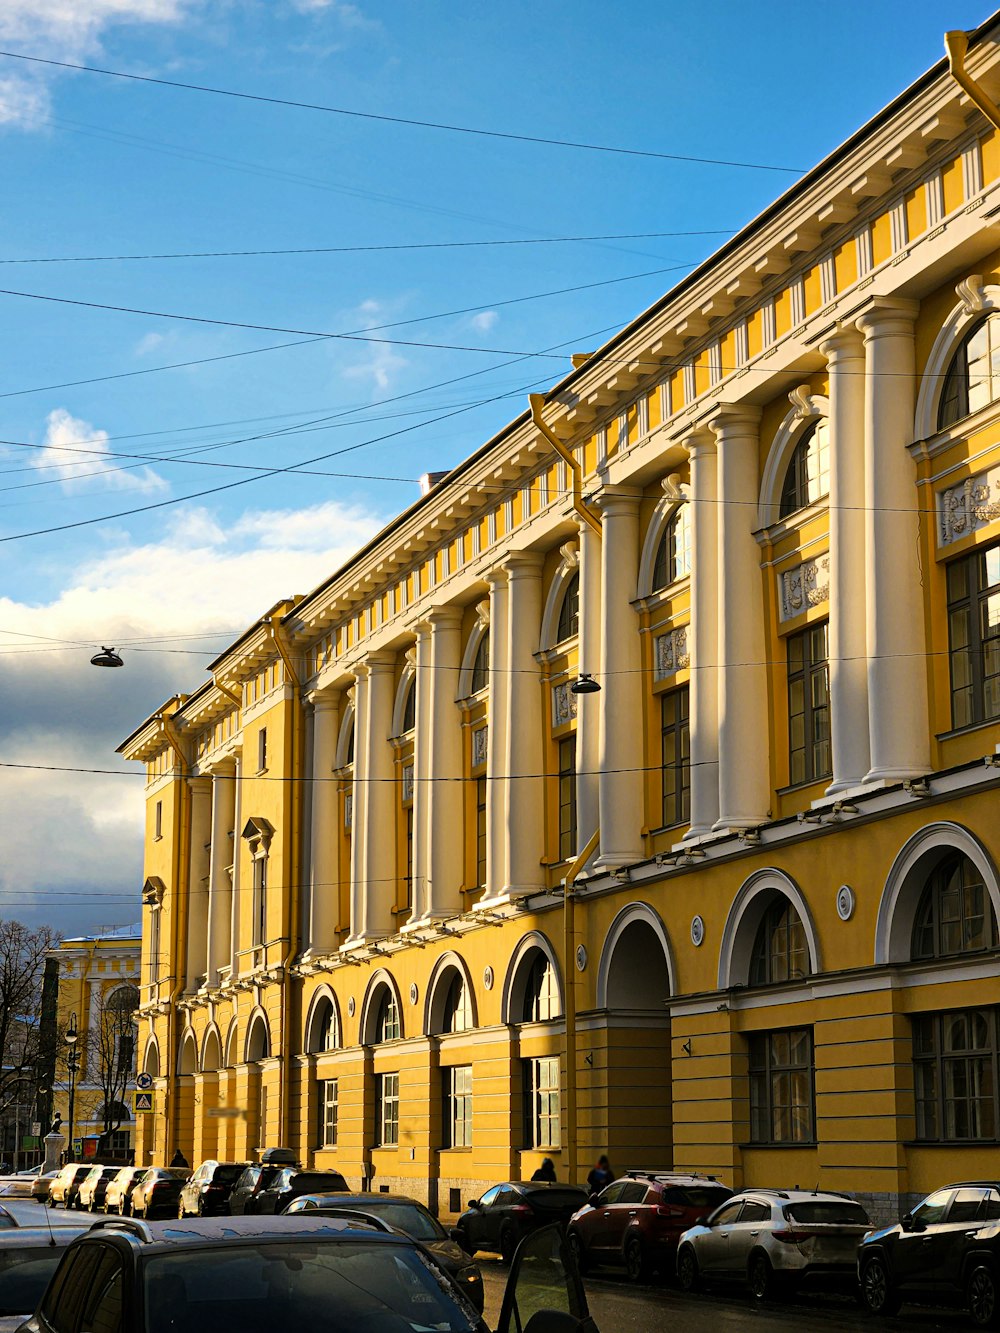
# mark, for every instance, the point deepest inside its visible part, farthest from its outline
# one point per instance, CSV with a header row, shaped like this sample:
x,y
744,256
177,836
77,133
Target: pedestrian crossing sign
x,y
144,1103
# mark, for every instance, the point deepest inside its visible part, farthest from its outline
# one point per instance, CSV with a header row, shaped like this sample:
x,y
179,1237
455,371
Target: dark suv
x,y
946,1251
507,1213
637,1220
207,1192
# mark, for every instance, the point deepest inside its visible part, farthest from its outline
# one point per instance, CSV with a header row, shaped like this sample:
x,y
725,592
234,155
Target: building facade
x,y
416,907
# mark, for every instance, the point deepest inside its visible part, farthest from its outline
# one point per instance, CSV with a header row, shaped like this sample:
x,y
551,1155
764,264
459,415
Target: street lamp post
x,y
73,1065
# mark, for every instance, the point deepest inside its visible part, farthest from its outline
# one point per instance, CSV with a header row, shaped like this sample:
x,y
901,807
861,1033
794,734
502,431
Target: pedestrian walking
x,y
179,1159
600,1176
547,1171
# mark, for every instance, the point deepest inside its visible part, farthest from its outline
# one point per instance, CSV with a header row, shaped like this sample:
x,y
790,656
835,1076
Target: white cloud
x,y
347,15
484,321
82,832
77,456
383,363
63,30
150,342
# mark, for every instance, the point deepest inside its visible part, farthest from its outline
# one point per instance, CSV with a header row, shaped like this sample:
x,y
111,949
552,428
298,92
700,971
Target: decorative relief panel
x,y
349,809
480,744
671,652
804,586
407,782
563,705
966,508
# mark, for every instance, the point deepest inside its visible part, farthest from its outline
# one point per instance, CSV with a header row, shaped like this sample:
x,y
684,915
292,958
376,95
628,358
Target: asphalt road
x,y
619,1307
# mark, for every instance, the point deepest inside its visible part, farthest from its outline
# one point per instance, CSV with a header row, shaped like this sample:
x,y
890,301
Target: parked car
x,y
637,1220
28,1259
118,1195
406,1215
774,1240
291,1182
157,1191
506,1213
17,1186
256,1177
946,1251
41,1185
290,1272
207,1192
65,1186
92,1189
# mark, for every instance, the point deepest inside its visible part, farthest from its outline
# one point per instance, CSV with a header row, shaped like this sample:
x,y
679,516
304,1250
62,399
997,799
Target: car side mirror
x,y
701,1221
913,1224
474,1203
594,1200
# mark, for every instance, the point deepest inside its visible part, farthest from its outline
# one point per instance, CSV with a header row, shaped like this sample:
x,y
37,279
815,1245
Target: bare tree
x,y
112,1057
22,963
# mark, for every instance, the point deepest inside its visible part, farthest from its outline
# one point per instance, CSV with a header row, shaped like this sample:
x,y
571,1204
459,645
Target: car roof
x,y
544,1185
673,1178
794,1195
29,1238
209,1232
340,1198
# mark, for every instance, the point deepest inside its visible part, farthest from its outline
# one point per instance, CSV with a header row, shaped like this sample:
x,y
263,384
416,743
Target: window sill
x,y
819,780
947,1143
964,731
781,1143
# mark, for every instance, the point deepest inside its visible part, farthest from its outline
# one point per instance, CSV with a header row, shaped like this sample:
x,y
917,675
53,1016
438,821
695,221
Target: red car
x,y
637,1220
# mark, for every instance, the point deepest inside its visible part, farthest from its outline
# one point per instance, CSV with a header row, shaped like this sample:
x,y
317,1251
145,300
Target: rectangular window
x,y
955,1076
974,637
675,750
458,1106
262,750
809,706
567,798
782,1092
154,946
388,1110
541,1102
328,1113
159,820
260,900
409,858
481,832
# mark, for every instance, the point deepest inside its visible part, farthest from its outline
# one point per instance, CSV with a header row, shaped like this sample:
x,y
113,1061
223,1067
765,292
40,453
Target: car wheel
x,y
760,1276
981,1297
181,1214
878,1293
508,1243
688,1277
578,1251
636,1266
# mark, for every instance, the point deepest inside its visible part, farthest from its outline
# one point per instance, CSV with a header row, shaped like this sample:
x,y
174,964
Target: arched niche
x,y
151,1059
187,1056
756,895
381,982
211,1051
518,975
232,1045
568,570
906,879
807,408
407,682
479,632
345,737
976,300
636,970
446,969
258,1044
663,515
323,1031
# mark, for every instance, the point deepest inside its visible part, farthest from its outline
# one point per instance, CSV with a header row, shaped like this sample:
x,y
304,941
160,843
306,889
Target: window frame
x,y
795,485
567,797
936,1059
955,388
935,886
457,1118
542,1092
675,736
973,603
812,670
328,1103
672,560
388,1021
568,621
766,1075
778,916
387,1098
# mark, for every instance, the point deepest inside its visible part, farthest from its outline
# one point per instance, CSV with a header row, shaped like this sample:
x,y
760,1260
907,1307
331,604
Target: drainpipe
x,y
230,694
294,875
956,44
537,401
569,972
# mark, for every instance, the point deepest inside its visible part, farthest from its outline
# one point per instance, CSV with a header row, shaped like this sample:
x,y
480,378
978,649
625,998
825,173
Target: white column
x,y
324,861
845,358
220,889
704,646
621,786
525,752
373,844
234,930
444,793
897,680
198,872
588,706
424,791
496,741
744,777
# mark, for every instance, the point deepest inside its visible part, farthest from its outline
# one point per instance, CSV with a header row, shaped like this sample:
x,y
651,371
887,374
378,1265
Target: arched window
x,y
350,743
541,996
673,555
457,1007
569,612
324,1034
481,666
387,1024
808,477
955,914
973,378
409,709
780,950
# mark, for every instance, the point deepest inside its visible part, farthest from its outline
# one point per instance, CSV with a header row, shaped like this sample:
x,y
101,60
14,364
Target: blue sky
x,y
95,166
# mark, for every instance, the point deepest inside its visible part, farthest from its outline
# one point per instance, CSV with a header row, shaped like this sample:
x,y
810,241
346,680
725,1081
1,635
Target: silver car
x,y
774,1240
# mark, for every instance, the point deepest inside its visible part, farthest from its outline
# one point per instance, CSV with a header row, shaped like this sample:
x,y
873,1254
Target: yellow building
x,y
764,519
97,999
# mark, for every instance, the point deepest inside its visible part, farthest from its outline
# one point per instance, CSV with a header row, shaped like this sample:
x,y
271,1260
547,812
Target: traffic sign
x,y
144,1082
144,1103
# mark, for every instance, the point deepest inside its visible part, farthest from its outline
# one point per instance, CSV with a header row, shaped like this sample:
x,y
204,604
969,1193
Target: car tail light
x,y
523,1209
213,1189
664,1210
790,1235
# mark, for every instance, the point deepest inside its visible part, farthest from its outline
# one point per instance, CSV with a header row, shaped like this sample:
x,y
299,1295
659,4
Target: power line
x,y
363,249
399,120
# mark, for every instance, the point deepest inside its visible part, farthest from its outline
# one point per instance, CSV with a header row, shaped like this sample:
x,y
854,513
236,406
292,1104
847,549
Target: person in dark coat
x,y
601,1176
547,1171
179,1159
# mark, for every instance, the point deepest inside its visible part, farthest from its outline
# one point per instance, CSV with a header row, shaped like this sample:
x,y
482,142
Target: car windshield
x,y
225,1174
409,1217
291,1284
24,1275
827,1211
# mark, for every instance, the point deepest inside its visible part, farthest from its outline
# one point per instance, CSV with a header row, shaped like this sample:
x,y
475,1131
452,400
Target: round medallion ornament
x,y
413,992
488,977
845,902
350,1007
581,957
697,931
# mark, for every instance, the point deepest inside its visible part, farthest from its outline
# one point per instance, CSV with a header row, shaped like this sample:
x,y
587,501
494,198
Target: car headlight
x,y
468,1276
